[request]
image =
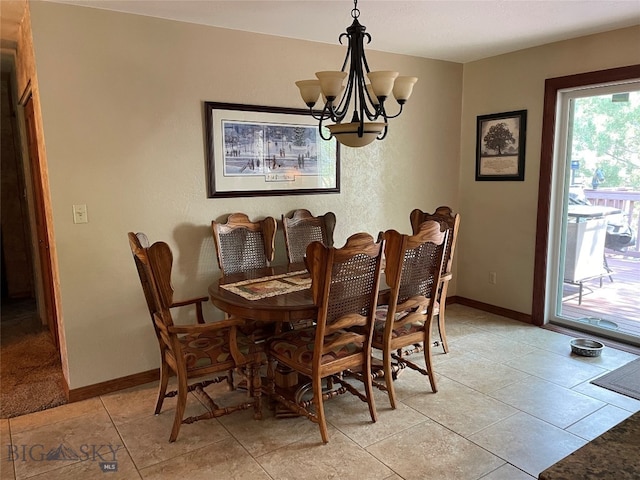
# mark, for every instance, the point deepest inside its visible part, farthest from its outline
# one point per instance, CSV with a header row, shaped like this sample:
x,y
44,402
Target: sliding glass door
x,y
595,207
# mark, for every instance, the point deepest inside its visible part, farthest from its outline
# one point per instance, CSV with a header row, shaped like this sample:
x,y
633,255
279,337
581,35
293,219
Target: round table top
x,y
292,306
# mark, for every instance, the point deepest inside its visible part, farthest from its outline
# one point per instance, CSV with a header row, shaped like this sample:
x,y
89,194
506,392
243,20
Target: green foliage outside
x,y
606,135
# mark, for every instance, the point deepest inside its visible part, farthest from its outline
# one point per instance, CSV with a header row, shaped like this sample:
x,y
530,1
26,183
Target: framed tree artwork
x,y
500,146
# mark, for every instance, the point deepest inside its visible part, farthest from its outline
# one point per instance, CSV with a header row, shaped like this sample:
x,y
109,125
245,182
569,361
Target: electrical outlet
x,y
493,278
80,214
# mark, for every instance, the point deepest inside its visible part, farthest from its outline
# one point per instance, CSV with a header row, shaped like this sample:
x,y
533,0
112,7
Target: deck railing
x,y
628,201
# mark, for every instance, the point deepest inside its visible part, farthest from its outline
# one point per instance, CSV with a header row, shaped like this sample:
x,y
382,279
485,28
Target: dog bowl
x,y
586,347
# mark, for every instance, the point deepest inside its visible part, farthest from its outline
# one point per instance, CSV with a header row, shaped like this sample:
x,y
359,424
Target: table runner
x,y
263,287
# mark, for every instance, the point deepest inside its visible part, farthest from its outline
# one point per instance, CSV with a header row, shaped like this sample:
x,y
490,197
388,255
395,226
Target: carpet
x,y
30,370
624,380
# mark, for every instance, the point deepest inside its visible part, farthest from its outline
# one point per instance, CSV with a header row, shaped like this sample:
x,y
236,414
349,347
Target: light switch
x,y
80,214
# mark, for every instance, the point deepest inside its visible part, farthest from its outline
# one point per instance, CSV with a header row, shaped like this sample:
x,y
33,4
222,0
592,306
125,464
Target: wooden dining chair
x,y
242,244
345,289
139,241
301,228
197,350
449,221
403,327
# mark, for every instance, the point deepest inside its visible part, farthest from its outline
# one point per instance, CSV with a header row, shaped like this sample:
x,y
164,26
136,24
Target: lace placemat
x,y
264,287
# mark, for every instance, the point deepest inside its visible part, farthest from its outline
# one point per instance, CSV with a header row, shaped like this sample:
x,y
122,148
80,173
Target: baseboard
x,y
82,393
485,307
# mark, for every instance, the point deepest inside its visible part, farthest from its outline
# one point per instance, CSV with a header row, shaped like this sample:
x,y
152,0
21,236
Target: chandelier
x,y
369,120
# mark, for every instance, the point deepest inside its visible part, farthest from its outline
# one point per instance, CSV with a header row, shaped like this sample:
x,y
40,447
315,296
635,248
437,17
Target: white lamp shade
x,y
403,87
309,91
324,98
372,95
331,83
382,82
347,133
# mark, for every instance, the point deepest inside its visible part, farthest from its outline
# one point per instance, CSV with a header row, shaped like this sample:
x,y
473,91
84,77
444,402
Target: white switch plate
x,y
80,214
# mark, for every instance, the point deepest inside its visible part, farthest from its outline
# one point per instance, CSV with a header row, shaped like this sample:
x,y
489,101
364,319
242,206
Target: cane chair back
x,y
345,289
196,350
242,244
301,228
451,222
412,271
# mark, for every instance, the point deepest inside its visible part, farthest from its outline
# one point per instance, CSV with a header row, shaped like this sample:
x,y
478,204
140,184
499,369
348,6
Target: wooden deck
x,y
618,300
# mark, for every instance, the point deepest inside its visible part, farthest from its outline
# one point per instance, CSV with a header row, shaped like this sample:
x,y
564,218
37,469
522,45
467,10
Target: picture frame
x,y
255,150
500,146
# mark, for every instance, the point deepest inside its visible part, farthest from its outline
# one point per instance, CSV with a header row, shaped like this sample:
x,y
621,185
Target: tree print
x,y
498,137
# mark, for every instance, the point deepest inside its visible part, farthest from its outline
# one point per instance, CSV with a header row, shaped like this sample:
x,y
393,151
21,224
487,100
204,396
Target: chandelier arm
x,y
341,110
315,114
321,134
377,111
396,115
384,132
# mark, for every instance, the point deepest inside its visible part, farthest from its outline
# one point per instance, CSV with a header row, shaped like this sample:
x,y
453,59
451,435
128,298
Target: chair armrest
x,y
446,277
193,301
207,327
190,301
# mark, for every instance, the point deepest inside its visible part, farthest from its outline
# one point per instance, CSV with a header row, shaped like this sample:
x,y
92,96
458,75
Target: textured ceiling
x,y
454,30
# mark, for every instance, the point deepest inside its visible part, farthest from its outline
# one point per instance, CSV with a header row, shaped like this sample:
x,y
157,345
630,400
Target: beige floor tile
x,y
457,331
479,373
609,396
527,443
310,459
53,415
259,437
496,348
460,408
431,451
497,370
126,405
534,396
6,462
483,320
88,438
539,338
125,470
555,368
598,422
351,416
457,313
147,438
610,358
225,460
507,472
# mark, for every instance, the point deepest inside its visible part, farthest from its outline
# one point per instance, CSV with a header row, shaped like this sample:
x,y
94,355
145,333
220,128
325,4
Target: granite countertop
x,y
614,455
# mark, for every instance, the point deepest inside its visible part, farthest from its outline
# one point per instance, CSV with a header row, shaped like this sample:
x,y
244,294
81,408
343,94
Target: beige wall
x,y
499,218
121,100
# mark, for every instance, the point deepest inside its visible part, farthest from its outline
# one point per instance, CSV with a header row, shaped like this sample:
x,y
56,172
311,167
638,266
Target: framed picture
x,y
500,146
258,151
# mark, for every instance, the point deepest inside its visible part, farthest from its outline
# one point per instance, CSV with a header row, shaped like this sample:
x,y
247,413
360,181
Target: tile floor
x,y
512,400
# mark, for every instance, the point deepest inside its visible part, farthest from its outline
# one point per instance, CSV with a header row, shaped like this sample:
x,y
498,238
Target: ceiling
x,y
454,30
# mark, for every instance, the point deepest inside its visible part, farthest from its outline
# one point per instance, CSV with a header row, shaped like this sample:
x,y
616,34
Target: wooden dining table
x,y
288,307
283,307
